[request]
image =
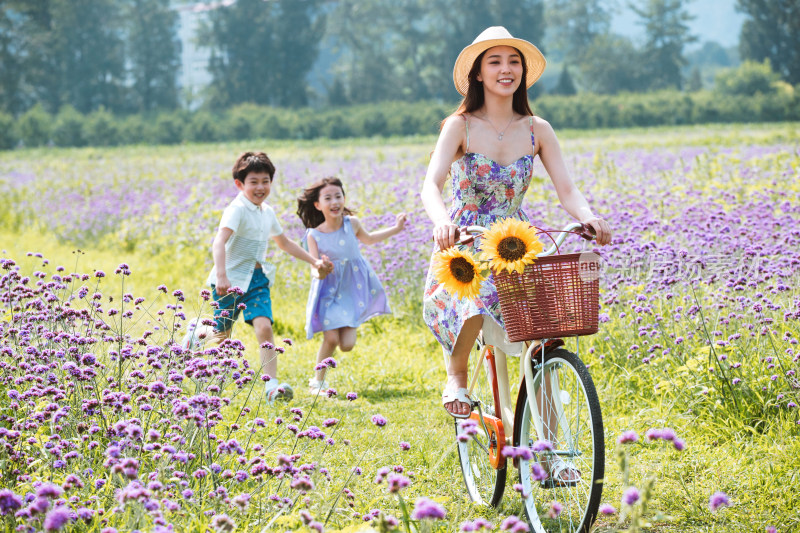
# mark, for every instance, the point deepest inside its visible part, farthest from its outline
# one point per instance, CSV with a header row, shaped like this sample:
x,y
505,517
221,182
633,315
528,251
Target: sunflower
x,y
456,270
510,244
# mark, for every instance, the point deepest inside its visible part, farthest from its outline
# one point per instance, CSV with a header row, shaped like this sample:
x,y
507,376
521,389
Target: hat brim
x,y
534,60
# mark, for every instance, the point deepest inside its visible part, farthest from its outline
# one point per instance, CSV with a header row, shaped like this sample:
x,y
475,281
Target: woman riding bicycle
x,y
488,146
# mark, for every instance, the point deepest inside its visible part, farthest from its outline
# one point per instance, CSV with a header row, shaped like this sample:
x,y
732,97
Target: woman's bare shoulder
x,y
542,128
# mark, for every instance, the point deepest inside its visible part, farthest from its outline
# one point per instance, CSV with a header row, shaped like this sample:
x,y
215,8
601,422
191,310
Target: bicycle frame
x,y
500,430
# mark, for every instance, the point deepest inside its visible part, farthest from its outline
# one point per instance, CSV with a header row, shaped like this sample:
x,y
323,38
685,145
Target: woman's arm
x,y
448,148
377,236
568,194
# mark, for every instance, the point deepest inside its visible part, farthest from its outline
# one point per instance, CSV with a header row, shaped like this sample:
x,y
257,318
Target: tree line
x,y
123,56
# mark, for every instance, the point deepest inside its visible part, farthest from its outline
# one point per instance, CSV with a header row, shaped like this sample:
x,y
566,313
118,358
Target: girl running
x,y
352,293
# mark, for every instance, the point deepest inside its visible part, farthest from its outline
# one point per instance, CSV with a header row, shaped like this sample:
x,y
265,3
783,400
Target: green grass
x,y
396,368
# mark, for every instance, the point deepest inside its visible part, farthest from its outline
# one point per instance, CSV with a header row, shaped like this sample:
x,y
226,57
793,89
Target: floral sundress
x,y
483,192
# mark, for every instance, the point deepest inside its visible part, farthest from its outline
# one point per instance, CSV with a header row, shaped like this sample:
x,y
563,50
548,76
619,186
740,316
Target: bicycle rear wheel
x,y
485,483
568,416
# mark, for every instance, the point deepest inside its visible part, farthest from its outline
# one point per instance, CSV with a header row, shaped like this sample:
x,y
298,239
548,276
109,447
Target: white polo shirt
x,y
252,227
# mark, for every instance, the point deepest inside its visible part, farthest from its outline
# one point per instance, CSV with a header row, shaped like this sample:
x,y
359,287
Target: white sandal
x,y
557,467
317,387
456,395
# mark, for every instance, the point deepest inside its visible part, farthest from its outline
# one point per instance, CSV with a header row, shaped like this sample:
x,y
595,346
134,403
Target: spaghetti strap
x,y
466,126
533,140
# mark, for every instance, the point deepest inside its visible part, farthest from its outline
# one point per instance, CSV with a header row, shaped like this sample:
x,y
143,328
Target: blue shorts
x,y
257,301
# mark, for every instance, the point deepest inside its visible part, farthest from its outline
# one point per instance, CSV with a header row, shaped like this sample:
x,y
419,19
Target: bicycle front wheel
x,y
485,483
566,413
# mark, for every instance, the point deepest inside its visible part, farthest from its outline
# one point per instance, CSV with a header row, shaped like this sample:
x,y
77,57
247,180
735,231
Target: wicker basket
x,y
550,298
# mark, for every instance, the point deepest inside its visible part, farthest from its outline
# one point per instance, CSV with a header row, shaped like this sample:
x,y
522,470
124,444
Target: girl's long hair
x,y
474,98
310,215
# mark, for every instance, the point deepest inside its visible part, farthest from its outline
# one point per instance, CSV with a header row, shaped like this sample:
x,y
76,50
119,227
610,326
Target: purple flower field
x,y
106,424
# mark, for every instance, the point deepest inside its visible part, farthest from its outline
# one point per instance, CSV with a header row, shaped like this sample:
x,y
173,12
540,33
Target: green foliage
x,y
7,138
565,85
202,127
34,126
749,79
153,50
380,59
666,33
68,128
133,130
612,65
262,52
772,32
168,128
102,129
730,101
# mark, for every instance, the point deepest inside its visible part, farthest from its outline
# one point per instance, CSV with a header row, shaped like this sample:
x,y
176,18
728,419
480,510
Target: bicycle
x,y
563,409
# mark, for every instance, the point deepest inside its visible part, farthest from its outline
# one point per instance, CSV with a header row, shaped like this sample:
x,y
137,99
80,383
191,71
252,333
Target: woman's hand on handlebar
x,y
445,235
600,228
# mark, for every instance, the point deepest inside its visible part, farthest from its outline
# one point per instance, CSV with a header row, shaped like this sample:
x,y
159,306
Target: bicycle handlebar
x,y
467,234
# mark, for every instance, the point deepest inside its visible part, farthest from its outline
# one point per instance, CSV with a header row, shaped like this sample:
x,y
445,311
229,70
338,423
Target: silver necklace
x,y
499,133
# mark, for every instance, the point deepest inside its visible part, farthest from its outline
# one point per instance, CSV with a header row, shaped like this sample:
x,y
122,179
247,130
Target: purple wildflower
x,y
379,420
717,500
555,509
514,524
607,509
630,496
9,502
427,509
628,436
57,518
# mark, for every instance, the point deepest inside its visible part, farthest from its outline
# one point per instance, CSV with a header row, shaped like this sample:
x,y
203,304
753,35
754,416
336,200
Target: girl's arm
x,y
376,236
313,250
324,265
218,253
448,148
568,194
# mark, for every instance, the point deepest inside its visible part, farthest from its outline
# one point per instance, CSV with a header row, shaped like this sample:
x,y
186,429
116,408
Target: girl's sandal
x,y
456,395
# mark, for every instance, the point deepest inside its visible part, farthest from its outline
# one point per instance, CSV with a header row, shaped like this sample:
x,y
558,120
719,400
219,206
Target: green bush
x,y
7,137
102,129
168,128
730,101
240,122
34,126
276,124
202,127
68,127
335,125
133,130
748,79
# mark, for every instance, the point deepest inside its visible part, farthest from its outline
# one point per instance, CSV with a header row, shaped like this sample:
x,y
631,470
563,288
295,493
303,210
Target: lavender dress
x,y
352,293
483,192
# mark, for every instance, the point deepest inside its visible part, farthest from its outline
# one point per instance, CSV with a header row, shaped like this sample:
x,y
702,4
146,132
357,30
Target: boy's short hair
x,y
252,162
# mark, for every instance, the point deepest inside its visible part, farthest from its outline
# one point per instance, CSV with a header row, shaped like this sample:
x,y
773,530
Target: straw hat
x,y
496,36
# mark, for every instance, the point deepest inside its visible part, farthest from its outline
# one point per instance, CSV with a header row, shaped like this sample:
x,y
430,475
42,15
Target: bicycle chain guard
x,y
497,436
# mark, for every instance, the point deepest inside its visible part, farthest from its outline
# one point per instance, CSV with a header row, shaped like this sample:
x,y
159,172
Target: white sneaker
x,y
282,392
196,336
317,387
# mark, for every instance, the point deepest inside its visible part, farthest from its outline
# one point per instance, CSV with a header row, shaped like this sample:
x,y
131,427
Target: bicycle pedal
x,y
550,484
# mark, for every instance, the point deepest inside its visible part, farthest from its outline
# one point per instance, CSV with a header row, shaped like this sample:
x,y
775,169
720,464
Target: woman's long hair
x,y
474,98
310,215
